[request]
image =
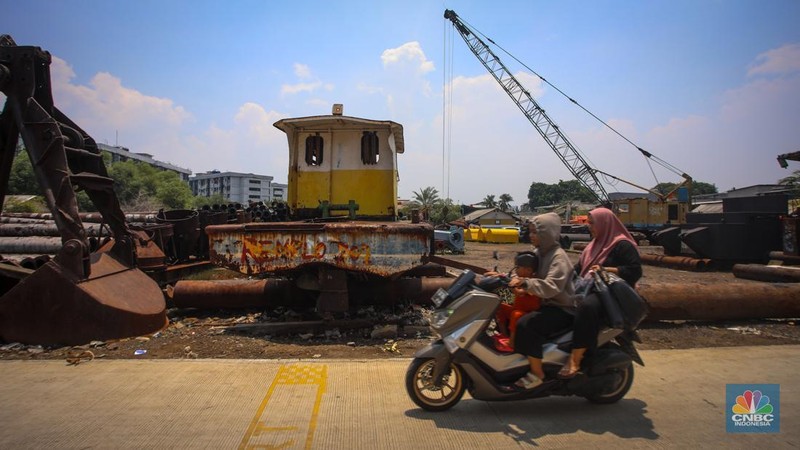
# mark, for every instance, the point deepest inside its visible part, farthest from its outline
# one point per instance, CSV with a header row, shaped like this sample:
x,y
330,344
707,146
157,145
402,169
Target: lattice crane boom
x,y
554,137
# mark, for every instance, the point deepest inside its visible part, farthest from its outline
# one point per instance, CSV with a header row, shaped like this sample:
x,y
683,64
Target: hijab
x,y
607,231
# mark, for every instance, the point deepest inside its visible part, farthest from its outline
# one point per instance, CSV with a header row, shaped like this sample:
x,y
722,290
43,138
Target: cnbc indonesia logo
x,y
753,411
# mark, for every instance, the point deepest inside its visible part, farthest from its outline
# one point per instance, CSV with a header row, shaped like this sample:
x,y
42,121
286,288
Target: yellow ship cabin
x,y
342,166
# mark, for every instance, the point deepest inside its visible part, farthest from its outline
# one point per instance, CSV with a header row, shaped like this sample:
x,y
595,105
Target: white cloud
x,y
309,83
782,60
409,53
290,89
157,126
302,71
109,105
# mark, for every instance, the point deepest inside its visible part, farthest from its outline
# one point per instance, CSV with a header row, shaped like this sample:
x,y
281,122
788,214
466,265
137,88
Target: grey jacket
x,y
554,278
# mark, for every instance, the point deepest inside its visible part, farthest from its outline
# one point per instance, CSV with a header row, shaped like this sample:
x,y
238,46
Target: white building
x,y
237,187
123,154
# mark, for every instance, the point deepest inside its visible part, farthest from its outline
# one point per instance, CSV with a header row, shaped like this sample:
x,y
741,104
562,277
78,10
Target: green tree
x,y
216,199
22,180
541,194
444,211
792,181
142,187
505,202
698,188
426,199
489,201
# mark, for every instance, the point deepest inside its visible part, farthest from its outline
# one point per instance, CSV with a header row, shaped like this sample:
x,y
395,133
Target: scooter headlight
x,y
440,317
439,297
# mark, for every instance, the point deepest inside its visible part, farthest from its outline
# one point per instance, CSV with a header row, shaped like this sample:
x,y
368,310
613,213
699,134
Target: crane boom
x,y
567,152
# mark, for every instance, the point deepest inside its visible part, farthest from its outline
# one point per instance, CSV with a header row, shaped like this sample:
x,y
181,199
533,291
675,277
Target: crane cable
x,y
644,152
447,108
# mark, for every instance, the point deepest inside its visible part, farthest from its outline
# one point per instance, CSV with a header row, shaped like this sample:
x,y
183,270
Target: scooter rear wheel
x,y
619,390
420,387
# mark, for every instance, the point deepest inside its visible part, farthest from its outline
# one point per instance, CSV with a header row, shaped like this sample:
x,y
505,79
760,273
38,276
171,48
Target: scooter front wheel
x,y
423,392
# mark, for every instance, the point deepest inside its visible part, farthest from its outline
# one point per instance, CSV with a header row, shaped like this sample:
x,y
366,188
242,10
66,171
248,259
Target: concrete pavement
x,y
677,401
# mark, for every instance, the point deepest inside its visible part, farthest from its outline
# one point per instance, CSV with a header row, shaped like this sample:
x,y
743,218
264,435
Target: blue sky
x,y
711,86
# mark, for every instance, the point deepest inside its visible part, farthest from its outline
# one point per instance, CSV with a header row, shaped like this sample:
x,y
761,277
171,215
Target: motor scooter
x,y
463,356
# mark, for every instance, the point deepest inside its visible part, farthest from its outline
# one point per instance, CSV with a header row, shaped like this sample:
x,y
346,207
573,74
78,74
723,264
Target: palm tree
x,y
505,202
427,198
489,201
792,180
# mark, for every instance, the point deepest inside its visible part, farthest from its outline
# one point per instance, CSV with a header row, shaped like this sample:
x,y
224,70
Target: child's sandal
x,y
528,382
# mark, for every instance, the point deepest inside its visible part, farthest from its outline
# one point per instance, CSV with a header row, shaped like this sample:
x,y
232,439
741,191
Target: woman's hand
x,y
516,282
598,267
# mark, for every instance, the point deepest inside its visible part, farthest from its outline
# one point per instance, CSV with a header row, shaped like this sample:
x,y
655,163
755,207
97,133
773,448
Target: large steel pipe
x,y
31,245
682,262
275,292
729,301
88,217
761,272
50,229
230,293
781,256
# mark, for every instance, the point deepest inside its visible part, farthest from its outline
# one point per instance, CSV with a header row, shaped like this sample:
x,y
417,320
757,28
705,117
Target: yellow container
x,y
501,236
468,235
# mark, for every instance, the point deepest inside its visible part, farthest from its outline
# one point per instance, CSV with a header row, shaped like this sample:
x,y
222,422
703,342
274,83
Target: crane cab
x,y
342,166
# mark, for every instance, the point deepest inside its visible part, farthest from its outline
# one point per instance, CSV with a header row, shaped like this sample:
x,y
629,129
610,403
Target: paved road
x,y
677,401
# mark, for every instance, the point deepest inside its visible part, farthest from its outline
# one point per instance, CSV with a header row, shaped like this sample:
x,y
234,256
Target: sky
x,y
710,86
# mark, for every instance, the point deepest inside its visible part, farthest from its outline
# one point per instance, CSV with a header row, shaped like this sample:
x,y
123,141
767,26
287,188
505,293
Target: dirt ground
x,y
385,332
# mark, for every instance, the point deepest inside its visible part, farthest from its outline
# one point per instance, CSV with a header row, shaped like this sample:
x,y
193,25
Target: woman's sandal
x,y
567,374
528,382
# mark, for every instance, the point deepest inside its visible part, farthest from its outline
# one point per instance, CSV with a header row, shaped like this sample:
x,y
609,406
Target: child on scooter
x,y
525,265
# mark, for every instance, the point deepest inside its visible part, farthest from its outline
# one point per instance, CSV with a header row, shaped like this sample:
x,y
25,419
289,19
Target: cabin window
x,y
369,148
672,212
314,146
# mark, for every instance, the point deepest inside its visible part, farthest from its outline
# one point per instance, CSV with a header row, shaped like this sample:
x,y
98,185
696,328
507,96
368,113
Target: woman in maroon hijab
x,y
612,249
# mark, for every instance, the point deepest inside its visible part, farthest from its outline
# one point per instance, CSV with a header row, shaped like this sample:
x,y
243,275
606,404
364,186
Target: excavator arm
x,y
78,296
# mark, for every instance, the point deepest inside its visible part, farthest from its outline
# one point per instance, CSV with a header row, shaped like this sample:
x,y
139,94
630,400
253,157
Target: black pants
x,y
533,329
588,319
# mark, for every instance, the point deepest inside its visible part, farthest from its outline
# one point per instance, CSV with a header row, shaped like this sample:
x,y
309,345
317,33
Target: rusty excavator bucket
x,y
79,296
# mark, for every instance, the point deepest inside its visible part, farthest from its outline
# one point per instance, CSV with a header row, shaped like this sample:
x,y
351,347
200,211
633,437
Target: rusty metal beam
x,y
457,264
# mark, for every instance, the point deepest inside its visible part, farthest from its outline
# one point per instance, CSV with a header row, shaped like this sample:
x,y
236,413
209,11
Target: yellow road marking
x,y
293,378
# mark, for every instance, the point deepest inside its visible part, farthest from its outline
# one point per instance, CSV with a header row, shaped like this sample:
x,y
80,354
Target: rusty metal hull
x,y
377,248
